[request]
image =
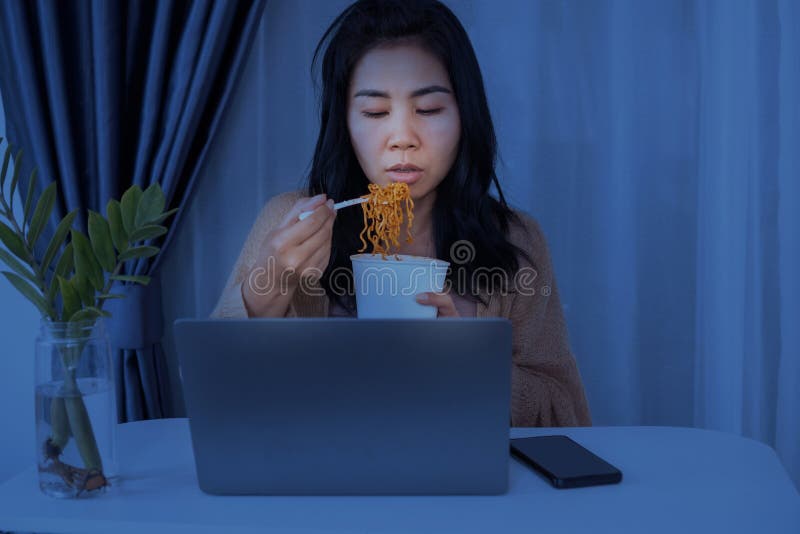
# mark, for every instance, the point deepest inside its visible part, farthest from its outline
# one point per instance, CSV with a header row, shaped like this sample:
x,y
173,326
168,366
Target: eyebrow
x,y
414,94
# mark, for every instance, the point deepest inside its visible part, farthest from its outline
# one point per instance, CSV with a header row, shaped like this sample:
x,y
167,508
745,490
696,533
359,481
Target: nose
x,y
403,136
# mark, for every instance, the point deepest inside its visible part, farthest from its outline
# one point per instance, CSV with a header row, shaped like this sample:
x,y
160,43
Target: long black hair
x,y
464,213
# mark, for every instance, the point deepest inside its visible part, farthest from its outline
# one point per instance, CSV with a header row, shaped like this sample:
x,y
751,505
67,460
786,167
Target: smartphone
x,y
564,462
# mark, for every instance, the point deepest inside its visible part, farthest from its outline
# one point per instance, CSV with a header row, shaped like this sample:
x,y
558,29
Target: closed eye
x,y
377,114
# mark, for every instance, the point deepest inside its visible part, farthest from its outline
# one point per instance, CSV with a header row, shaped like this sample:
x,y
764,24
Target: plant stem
x,y
107,287
72,406
78,417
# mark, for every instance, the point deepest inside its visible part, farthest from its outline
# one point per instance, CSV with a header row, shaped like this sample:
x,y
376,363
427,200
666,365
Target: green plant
x,y
71,281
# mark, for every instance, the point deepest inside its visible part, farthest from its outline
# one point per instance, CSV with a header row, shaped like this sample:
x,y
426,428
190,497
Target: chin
x,y
420,192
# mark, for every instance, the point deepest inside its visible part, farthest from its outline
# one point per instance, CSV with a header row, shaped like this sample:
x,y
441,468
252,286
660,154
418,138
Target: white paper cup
x,y
387,289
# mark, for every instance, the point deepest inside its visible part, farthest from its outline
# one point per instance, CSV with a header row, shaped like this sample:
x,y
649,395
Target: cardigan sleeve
x,y
231,303
546,387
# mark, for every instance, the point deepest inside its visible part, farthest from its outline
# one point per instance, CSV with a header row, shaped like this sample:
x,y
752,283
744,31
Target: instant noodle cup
x,y
386,288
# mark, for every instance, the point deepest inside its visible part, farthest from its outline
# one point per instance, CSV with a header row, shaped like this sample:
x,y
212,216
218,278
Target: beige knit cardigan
x,y
546,388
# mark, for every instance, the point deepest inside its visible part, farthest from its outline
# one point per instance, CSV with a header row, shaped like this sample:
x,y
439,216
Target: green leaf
x,y
150,205
149,231
100,235
109,296
163,217
65,265
139,279
59,236
69,298
88,314
29,197
44,208
16,266
118,233
13,242
85,289
28,291
129,205
85,262
14,178
138,252
3,172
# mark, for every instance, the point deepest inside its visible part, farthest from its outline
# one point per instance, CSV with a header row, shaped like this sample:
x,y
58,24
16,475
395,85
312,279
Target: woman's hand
x,y
302,247
293,251
442,301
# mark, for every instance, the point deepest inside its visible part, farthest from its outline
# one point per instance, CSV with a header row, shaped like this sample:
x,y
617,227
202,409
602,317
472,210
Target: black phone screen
x,y
566,463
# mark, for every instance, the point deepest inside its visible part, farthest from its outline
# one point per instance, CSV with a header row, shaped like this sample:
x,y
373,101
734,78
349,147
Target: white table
x,y
675,480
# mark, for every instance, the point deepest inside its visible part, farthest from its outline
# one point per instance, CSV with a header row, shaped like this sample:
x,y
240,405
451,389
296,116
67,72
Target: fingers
x,y
318,263
303,204
297,255
300,232
321,236
442,301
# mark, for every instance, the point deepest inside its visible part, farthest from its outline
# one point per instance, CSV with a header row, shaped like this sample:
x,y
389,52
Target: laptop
x,y
338,406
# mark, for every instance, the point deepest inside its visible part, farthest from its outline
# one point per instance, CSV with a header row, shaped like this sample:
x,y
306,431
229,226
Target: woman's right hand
x,y
295,249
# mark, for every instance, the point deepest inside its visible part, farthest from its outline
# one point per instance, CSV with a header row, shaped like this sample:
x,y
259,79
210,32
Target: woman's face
x,y
402,111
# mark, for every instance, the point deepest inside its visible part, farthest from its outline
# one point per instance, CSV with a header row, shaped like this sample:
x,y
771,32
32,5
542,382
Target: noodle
x,y
383,216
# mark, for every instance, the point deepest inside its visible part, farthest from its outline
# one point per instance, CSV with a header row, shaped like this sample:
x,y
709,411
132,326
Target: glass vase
x,y
76,415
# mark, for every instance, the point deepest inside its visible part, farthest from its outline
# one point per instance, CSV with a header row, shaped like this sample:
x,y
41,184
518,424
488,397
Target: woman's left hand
x,y
442,302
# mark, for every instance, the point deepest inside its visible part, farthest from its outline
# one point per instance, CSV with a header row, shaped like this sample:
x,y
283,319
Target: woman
x,y
403,100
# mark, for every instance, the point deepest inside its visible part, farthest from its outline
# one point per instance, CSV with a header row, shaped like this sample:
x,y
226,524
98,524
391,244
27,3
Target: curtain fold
x,y
787,398
103,95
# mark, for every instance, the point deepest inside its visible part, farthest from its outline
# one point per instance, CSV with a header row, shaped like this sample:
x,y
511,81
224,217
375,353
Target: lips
x,y
404,167
407,177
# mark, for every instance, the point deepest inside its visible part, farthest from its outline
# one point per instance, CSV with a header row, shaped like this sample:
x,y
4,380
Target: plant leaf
x,y
69,298
118,233
129,205
29,197
149,231
15,265
58,238
88,314
139,279
100,235
150,205
109,296
13,242
65,265
44,208
85,289
29,292
138,252
161,218
14,178
3,172
85,262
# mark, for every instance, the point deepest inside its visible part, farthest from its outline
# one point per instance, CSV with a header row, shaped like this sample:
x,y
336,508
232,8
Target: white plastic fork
x,y
338,206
